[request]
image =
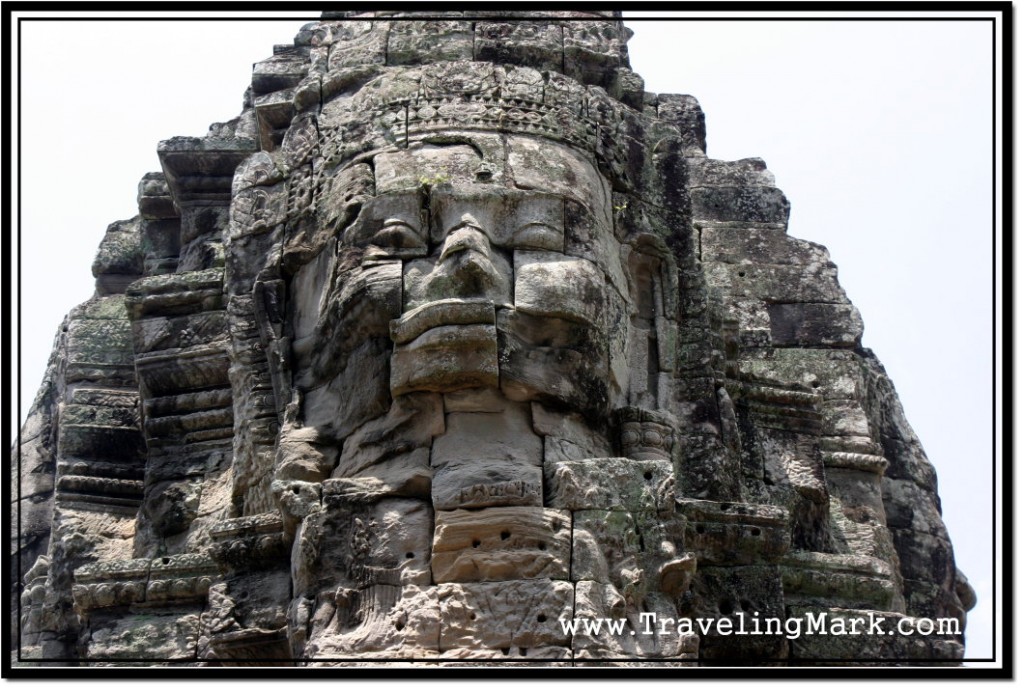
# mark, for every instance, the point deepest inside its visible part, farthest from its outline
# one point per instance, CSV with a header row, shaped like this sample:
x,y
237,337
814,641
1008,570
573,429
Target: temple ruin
x,y
454,335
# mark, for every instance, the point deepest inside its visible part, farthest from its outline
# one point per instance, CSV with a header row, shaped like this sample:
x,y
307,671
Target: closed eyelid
x,y
538,235
397,233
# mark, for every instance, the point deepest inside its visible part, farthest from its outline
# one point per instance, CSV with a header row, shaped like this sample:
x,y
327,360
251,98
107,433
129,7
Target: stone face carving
x,y
453,343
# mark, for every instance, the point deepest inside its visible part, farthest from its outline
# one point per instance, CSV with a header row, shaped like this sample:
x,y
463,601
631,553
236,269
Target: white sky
x,y
879,133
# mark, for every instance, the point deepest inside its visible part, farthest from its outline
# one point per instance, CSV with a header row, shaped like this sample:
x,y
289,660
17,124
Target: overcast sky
x,y
879,133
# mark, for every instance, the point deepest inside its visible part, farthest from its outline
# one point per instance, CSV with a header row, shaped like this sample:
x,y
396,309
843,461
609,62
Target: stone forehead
x,y
512,161
396,107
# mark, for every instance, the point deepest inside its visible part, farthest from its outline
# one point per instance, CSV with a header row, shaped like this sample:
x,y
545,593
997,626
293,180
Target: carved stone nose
x,y
469,267
467,236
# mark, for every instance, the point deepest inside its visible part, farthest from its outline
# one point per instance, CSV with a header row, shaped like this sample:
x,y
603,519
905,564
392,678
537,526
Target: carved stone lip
x,y
447,312
447,358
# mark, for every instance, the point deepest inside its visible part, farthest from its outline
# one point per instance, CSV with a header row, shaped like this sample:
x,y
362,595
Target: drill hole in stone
x,y
700,530
409,555
745,605
648,475
505,535
542,618
295,490
476,543
472,616
542,546
742,274
815,384
399,626
725,606
755,532
166,560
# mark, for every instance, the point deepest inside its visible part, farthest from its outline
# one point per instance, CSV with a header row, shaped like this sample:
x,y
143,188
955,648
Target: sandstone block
x,y
501,544
446,358
568,437
501,615
406,431
482,483
638,639
159,636
609,483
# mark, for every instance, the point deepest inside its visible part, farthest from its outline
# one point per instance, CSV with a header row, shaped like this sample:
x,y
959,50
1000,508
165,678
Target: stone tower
x,y
453,340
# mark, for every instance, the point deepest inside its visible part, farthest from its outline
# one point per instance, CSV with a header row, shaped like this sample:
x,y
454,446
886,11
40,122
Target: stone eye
x,y
538,236
396,234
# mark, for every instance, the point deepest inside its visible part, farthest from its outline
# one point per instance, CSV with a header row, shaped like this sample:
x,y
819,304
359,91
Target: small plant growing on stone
x,y
429,181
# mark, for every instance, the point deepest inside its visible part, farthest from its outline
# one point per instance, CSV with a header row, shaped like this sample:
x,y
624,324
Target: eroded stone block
x,y
394,439
487,459
609,483
446,358
369,540
501,615
501,544
168,635
404,621
639,638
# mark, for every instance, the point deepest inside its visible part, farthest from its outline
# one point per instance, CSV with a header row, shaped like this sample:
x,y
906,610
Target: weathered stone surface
x,y
446,358
404,432
568,437
487,459
475,401
499,616
815,324
166,636
813,578
362,623
466,267
639,639
331,409
419,41
501,544
735,533
119,260
538,44
553,360
609,483
455,340
552,286
380,540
